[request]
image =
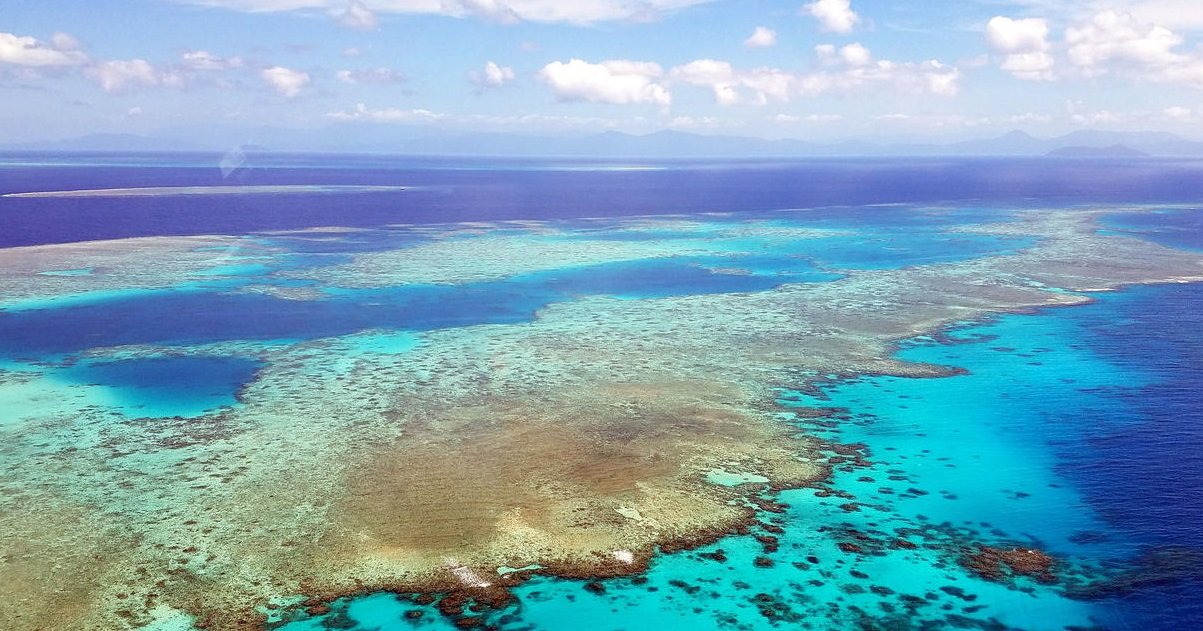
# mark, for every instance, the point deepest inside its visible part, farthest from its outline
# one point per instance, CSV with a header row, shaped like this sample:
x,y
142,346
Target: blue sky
x,y
821,69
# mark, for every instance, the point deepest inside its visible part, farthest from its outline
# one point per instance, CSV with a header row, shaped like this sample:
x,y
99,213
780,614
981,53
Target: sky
x,y
819,70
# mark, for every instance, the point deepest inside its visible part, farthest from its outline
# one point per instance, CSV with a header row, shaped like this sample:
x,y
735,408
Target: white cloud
x,y
849,68
1034,66
768,84
1007,36
29,52
358,17
719,76
386,115
1102,42
370,76
576,11
1111,36
204,60
120,75
833,15
856,55
1024,45
493,75
940,79
287,82
618,81
762,37
1111,41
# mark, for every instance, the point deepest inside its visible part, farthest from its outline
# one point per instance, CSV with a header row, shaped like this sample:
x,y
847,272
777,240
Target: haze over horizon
x,y
823,71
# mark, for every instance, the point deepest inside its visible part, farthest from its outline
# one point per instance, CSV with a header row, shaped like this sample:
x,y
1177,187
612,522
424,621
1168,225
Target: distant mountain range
x,y
401,139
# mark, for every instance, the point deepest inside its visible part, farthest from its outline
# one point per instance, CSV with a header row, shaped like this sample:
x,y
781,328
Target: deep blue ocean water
x,y
1075,429
452,190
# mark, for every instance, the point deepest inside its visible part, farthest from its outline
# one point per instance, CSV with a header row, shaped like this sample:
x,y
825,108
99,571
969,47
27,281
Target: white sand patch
x,y
629,513
467,576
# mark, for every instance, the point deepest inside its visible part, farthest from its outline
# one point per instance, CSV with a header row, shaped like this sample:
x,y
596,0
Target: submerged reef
x,y
577,441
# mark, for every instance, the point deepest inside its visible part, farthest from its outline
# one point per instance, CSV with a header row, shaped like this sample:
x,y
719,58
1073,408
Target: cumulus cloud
x,y
120,75
493,75
1006,35
718,76
730,87
29,52
856,55
358,17
1095,44
194,66
1111,41
1024,47
506,11
836,16
846,69
619,82
370,76
385,115
286,82
1111,36
762,37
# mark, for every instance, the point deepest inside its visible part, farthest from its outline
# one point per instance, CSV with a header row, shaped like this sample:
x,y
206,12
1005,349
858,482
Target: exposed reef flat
x,y
126,265
579,440
485,251
171,191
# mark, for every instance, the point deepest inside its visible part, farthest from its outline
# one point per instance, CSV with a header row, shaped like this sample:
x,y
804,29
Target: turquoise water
x,y
955,462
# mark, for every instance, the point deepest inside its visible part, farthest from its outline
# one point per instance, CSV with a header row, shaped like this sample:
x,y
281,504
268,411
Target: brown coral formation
x,y
998,564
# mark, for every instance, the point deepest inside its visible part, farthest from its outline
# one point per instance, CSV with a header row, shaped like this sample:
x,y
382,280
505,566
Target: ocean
x,y
283,341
